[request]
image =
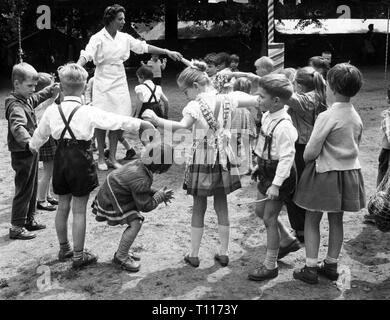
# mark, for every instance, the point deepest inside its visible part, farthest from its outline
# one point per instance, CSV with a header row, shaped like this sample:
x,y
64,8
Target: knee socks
x,y
196,238
224,232
125,244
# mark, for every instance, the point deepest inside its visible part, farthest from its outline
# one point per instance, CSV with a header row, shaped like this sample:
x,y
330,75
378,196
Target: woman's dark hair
x,y
111,12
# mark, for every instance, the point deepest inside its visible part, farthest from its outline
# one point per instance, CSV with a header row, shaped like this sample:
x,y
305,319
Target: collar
x,y
149,82
277,115
341,105
107,34
72,98
18,96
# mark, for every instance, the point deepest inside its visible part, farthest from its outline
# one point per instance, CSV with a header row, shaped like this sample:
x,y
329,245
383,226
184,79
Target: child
x,y
234,62
45,200
305,104
210,169
264,66
320,64
331,181
384,156
126,192
149,94
74,173
244,125
19,111
223,81
277,177
210,60
157,67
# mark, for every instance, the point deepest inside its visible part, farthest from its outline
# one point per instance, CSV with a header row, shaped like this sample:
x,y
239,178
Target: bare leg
x,y
44,183
79,221
113,138
61,220
312,234
336,234
100,137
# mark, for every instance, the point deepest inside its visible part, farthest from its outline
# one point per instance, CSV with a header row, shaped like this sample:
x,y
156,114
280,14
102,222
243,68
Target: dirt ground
x,y
30,269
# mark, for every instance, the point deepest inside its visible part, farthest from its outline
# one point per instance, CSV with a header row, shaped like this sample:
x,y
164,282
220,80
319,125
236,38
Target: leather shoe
x,y
43,205
130,154
33,226
21,234
262,273
129,264
293,246
222,259
193,261
306,274
52,201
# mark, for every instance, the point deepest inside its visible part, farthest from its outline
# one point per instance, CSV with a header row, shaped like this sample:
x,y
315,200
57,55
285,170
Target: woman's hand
x,y
150,115
174,55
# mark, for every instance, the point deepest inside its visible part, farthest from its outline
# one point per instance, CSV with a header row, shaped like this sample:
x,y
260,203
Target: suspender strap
x,y
152,93
67,122
268,139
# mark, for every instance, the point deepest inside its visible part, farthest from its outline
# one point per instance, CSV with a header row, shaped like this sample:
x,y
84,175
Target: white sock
x,y
331,260
271,259
224,232
311,262
196,238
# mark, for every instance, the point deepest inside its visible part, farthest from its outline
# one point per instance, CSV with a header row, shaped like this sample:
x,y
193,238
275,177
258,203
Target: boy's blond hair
x,y
23,70
73,77
277,85
265,63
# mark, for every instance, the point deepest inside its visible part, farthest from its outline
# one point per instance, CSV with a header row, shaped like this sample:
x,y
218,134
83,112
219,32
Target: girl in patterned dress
x,y
211,167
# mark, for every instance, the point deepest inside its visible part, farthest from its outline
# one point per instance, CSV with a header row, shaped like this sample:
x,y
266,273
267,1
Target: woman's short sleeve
x,y
193,109
137,46
92,48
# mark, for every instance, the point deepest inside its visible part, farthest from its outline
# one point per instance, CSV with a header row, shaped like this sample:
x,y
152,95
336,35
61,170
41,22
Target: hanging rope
x,y
387,46
20,50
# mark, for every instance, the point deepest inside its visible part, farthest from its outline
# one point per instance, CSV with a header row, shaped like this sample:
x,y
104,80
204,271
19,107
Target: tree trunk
x,y
171,28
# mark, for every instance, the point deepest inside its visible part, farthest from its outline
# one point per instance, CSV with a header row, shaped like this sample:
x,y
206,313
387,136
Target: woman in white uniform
x,y
108,49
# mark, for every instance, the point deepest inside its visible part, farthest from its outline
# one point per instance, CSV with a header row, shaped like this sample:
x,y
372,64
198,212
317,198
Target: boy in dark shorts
x,y
74,175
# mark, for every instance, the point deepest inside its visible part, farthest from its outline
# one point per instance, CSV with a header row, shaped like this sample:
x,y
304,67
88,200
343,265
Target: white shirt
x,y
83,123
146,93
102,48
283,143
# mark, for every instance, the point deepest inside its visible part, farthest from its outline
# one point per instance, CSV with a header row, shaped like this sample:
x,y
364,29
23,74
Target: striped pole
x,y
271,21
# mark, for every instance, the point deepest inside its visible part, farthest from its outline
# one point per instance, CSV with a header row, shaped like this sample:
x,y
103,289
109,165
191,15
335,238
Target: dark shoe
x,y
52,201
306,274
21,234
135,256
292,247
42,205
262,273
193,261
88,258
34,226
64,255
130,154
129,264
222,259
369,219
107,153
328,270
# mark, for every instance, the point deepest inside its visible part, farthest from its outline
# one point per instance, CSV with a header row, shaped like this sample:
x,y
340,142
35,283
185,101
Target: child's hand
x,y
167,194
273,192
55,89
255,174
150,115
